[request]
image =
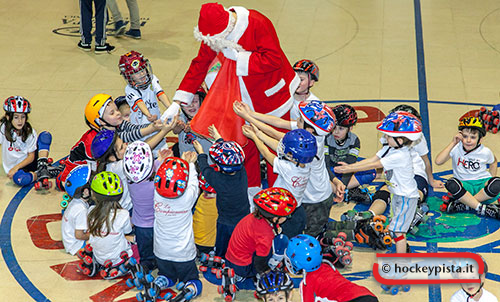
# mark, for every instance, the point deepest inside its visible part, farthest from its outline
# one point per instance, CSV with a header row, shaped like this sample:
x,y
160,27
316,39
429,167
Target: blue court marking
x,y
408,101
6,245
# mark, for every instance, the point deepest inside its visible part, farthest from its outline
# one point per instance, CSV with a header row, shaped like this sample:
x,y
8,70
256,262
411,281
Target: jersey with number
x,y
110,246
398,171
461,296
294,111
74,218
148,96
16,152
471,165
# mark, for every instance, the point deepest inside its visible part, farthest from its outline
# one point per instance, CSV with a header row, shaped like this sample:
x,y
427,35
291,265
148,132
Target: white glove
x,y
170,112
230,53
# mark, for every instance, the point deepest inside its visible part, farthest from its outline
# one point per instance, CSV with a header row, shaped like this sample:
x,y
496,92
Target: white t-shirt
x,y
398,171
74,218
148,96
461,296
318,187
294,111
291,177
417,152
111,246
118,168
16,152
471,166
173,235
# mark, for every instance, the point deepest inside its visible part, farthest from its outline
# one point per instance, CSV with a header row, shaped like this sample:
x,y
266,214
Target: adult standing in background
x,y
86,14
120,26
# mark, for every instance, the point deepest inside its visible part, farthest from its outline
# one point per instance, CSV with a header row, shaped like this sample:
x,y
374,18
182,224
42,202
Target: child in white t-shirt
x,y
296,150
473,185
473,292
176,191
308,73
74,221
400,130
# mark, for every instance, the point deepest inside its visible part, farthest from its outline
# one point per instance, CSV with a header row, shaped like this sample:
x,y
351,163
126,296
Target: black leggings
x,y
365,299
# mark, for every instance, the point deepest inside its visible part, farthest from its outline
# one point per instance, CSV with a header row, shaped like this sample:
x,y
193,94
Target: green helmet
x,y
107,186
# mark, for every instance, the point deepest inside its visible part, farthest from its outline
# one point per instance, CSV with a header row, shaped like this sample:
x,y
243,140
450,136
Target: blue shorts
x,y
422,185
363,177
178,271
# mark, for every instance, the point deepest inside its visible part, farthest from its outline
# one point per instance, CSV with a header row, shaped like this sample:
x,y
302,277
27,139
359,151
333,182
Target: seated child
x,y
24,154
321,281
205,217
473,292
74,221
176,184
473,186
274,286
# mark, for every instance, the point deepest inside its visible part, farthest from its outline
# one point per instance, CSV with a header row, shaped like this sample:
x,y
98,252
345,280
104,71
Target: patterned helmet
x,y
172,177
204,185
95,109
77,180
472,123
303,253
17,104
138,161
229,156
133,63
275,202
318,115
401,124
407,108
346,115
307,66
300,143
103,143
274,281
107,186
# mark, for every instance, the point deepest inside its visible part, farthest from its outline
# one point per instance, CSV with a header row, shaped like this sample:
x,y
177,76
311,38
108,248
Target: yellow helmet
x,y
95,108
473,123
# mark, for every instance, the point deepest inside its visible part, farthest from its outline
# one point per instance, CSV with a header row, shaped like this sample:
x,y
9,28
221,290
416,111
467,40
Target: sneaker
x,y
134,33
120,28
489,210
104,48
84,46
358,196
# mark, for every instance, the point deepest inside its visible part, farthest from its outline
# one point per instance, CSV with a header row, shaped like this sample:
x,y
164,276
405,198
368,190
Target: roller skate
x,y
187,291
358,195
333,228
420,216
211,261
395,289
374,234
153,287
490,118
451,205
42,174
88,266
108,271
228,286
338,250
352,215
135,269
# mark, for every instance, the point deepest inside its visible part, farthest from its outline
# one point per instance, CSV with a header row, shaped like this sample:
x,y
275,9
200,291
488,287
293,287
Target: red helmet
x,y
275,202
134,63
172,177
307,66
346,115
204,185
16,104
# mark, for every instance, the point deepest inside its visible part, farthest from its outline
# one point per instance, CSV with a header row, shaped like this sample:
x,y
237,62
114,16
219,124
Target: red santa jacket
x,y
267,80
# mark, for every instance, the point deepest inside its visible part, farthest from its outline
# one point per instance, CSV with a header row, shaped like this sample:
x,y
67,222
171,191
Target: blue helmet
x,y
303,253
301,143
228,155
318,115
76,180
273,281
103,143
401,124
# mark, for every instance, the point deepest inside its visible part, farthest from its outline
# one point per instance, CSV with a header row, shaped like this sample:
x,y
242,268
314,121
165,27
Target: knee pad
x,y
196,285
44,141
492,187
22,178
455,187
383,195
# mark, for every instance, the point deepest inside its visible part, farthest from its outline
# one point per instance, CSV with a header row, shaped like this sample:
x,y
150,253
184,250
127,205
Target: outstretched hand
x,y
241,109
197,146
164,154
189,156
214,133
248,131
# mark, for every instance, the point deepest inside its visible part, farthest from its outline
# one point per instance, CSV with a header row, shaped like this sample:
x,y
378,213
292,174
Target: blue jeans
x,y
144,238
224,232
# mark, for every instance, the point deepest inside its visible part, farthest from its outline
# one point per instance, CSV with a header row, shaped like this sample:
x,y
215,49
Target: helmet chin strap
x,y
469,296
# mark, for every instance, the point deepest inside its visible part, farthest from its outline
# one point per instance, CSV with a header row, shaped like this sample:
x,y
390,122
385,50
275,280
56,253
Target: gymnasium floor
x,y
440,56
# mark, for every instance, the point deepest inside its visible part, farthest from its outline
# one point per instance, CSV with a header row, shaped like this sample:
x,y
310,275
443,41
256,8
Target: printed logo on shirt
x,y
388,176
164,208
469,164
14,149
298,181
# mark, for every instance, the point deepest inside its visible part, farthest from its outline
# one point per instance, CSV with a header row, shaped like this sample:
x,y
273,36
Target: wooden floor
x,y
440,56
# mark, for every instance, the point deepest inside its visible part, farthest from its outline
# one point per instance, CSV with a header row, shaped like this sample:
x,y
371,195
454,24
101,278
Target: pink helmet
x,y
138,161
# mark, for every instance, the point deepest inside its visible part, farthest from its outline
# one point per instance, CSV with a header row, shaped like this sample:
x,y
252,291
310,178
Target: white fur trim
x,y
245,97
241,23
275,88
242,63
184,97
280,111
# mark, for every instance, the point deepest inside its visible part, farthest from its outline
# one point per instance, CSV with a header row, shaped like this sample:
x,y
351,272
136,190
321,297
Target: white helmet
x,y
138,161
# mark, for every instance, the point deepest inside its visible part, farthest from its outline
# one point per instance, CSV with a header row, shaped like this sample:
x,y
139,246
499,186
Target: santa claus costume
x,y
266,79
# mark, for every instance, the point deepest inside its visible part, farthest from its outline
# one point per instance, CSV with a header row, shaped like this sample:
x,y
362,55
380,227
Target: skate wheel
x,y
108,263
204,257
443,207
342,236
217,259
379,218
228,298
114,273
86,271
339,251
37,186
349,246
394,290
220,289
150,278
140,297
346,260
218,274
387,239
124,255
406,288
64,204
232,288
130,283
138,284
494,131
338,242
385,287
88,248
139,275
203,268
379,227
103,273
88,260
167,296
230,273
445,198
180,285
152,292
132,261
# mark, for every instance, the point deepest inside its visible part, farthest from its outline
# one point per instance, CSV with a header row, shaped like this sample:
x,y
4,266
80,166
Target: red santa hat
x,y
214,20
